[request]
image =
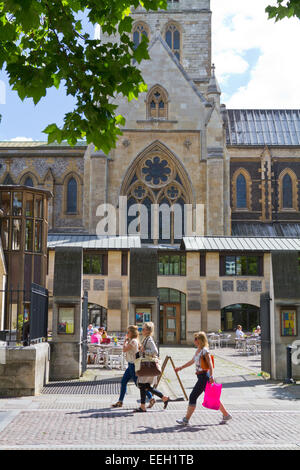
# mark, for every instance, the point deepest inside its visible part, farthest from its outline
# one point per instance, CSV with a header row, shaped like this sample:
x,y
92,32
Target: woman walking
x,y
203,374
130,348
146,384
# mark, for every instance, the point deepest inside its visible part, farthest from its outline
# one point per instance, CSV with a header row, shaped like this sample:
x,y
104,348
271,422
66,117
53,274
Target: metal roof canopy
x,y
240,244
93,241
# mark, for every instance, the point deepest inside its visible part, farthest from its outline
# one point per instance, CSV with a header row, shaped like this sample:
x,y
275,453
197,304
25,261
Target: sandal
x,y
151,403
139,410
119,404
166,403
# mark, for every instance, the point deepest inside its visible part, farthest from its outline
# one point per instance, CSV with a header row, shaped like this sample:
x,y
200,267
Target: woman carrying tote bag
x,y
204,372
146,384
130,349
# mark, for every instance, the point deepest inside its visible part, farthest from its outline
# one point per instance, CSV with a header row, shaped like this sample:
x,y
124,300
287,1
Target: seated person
x,y
96,337
239,333
104,334
257,332
90,330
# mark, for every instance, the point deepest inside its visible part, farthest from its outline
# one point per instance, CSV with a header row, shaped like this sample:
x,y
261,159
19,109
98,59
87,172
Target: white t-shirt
x,y
130,355
239,334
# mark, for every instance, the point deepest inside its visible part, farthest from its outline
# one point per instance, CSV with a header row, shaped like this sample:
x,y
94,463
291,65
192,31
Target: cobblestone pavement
x,y
265,415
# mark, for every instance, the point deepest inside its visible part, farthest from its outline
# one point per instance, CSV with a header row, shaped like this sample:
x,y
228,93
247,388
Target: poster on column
x,y
142,315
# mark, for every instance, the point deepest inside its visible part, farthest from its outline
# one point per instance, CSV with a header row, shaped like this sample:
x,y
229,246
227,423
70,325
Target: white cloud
x,y
239,26
21,139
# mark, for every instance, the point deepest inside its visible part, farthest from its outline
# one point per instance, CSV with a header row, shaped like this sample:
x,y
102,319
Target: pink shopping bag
x,y
212,396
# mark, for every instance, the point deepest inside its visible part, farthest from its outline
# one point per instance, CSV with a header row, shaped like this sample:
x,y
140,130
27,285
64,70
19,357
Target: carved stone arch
x,y
294,185
176,23
7,179
29,174
139,28
49,177
248,181
176,174
69,175
173,36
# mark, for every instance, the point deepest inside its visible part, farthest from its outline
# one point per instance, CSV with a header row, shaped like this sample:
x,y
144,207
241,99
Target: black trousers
x,y
144,388
198,388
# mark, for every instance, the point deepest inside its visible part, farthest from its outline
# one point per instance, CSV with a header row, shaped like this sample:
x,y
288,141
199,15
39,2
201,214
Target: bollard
x,y
289,379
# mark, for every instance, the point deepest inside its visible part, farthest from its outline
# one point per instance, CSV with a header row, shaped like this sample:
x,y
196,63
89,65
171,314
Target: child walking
x,y
203,375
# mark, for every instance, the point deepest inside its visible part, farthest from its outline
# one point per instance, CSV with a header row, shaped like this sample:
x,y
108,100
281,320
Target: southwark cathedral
x,y
197,191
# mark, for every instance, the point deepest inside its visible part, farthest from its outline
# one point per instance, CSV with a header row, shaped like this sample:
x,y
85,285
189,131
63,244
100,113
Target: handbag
x,y
204,363
147,366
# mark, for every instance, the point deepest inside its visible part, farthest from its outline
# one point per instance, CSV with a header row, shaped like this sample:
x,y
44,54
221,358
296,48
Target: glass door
x,y
171,332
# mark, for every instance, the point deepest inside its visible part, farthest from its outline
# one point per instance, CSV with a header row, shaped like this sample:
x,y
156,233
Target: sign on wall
x,y
66,320
288,322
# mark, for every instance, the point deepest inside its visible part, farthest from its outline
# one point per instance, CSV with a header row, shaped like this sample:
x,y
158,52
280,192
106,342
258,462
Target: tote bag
x,y
147,367
212,396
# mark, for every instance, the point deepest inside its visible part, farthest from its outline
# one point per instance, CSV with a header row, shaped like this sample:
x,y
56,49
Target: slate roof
x,y
251,229
279,127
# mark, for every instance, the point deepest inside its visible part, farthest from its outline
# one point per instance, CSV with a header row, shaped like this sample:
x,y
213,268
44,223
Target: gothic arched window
x,y
173,39
139,30
29,182
72,196
287,192
158,191
241,192
157,103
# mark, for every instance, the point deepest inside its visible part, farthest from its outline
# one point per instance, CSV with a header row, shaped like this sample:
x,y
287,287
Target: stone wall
x,y
23,370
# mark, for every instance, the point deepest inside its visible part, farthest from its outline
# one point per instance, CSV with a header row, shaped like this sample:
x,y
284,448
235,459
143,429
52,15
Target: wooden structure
x,y
24,233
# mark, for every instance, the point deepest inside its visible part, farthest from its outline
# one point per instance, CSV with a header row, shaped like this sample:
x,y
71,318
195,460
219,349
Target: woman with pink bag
x,y
204,375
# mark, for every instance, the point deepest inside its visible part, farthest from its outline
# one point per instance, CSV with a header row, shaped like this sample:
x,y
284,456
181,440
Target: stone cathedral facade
x,y
181,147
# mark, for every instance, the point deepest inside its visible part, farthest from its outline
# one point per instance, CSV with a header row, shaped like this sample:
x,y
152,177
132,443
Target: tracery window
x,y
173,39
139,30
157,103
157,192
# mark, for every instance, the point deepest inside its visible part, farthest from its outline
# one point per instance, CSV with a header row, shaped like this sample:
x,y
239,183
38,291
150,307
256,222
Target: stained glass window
x,y
173,40
28,182
241,192
72,196
138,30
287,192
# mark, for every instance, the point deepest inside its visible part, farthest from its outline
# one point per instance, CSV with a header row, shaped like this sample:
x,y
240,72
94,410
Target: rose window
x,y
156,171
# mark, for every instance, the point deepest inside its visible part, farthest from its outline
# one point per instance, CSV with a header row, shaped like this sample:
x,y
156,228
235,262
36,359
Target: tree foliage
x,y
284,9
42,44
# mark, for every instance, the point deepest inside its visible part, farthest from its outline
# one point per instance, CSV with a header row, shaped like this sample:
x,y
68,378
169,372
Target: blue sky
x,y
255,65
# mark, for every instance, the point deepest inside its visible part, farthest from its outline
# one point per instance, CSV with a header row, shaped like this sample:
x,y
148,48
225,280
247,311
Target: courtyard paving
x,y
266,415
